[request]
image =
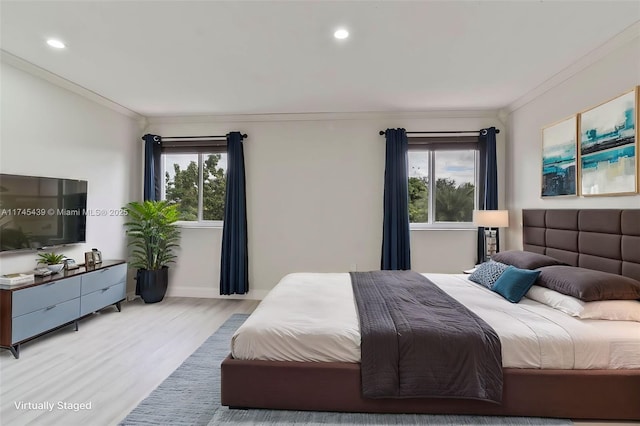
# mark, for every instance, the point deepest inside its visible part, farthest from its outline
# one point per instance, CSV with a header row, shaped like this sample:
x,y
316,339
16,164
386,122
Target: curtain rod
x,y
382,132
244,135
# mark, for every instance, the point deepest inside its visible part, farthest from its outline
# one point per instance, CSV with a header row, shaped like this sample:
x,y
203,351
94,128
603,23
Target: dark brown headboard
x,y
602,239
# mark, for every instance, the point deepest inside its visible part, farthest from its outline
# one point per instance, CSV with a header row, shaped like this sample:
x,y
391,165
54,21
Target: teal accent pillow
x,y
514,283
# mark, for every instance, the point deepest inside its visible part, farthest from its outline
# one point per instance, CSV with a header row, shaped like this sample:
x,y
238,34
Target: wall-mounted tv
x,y
41,212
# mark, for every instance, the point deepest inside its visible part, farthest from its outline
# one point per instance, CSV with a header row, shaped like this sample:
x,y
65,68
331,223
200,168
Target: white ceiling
x,y
240,57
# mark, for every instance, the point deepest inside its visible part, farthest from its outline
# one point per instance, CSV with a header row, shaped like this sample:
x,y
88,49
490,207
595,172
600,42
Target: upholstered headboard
x,y
602,239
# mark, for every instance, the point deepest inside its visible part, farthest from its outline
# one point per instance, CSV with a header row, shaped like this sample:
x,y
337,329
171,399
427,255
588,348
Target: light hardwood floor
x,y
114,361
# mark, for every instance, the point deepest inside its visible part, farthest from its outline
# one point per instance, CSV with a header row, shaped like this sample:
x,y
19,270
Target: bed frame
x,y
606,240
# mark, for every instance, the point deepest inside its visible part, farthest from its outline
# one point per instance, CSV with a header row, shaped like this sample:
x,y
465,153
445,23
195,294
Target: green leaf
x,y
50,258
152,232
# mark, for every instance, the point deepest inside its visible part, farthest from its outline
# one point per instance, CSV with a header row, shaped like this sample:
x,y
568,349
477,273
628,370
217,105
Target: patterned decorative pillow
x,y
487,273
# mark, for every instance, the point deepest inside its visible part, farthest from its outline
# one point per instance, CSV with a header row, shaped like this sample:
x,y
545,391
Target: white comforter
x,y
312,317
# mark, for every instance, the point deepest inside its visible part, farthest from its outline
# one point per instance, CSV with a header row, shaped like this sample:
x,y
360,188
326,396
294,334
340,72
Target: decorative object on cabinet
x,y
51,302
97,256
88,259
608,147
153,234
70,264
53,261
15,279
559,158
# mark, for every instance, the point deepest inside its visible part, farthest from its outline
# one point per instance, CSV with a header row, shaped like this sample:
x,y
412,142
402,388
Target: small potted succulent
x,y
53,261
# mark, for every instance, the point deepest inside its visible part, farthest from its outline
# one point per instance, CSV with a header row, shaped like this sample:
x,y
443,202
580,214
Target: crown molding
x,y
503,116
629,34
319,116
35,70
143,124
145,121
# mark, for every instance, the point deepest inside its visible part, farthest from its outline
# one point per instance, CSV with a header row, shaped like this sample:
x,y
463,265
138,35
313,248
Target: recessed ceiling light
x,y
56,43
341,34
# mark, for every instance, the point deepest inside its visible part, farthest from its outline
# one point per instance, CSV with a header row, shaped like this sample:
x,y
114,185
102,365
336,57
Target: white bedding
x,y
312,317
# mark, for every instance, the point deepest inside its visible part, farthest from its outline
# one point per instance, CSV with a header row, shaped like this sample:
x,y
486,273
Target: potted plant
x,y
52,260
153,236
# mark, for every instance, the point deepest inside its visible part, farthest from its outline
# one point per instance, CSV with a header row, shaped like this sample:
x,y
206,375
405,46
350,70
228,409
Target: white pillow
x,y
617,310
567,304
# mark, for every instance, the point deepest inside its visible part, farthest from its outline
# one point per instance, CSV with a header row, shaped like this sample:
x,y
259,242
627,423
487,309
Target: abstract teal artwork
x,y
608,147
559,158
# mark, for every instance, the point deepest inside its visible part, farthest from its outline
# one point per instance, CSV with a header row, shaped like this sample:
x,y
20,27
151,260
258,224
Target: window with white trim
x,y
442,182
195,179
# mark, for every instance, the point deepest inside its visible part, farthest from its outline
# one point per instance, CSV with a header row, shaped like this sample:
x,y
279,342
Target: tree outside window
x,y
441,182
197,183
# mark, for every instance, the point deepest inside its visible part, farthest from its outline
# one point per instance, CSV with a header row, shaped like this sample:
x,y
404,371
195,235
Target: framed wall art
x,y
608,147
559,153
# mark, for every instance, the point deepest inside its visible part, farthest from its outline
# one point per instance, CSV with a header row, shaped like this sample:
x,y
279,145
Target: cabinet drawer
x,y
99,299
103,278
35,298
42,320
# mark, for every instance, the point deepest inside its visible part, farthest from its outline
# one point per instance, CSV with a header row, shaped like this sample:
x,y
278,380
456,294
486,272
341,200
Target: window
x,y
442,182
196,181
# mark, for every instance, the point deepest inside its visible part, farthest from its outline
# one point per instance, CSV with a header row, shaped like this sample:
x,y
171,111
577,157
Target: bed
x,y
592,371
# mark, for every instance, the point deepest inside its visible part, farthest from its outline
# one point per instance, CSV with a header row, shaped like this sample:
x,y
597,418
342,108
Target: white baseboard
x,y
206,293
213,293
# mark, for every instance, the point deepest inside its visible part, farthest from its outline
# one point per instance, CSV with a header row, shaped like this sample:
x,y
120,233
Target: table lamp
x,y
491,220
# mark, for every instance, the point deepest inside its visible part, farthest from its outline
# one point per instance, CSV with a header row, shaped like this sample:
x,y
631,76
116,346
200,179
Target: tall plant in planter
x,y
153,236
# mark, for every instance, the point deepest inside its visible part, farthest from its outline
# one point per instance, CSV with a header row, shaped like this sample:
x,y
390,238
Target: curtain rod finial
x,y
381,132
484,132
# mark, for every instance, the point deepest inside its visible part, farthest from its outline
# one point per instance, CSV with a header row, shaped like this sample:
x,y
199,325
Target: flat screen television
x,y
40,212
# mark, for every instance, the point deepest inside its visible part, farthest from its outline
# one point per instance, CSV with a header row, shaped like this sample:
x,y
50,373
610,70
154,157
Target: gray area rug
x,y
191,396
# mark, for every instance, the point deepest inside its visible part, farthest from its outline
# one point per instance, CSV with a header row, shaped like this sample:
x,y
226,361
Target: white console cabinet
x,y
30,310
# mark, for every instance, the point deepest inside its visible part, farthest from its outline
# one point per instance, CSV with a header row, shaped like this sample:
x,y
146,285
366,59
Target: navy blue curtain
x,y
234,267
488,183
396,251
152,178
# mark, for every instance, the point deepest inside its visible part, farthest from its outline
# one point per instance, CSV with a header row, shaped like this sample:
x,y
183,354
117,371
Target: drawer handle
x,y
50,307
104,270
105,289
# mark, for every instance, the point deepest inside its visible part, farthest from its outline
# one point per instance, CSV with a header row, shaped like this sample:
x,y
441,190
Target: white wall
x,y
614,74
49,131
314,196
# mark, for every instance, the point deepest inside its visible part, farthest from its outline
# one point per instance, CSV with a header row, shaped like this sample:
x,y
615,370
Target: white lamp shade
x,y
491,218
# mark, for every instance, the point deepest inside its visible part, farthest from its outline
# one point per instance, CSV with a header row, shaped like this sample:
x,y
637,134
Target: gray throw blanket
x,y
417,341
